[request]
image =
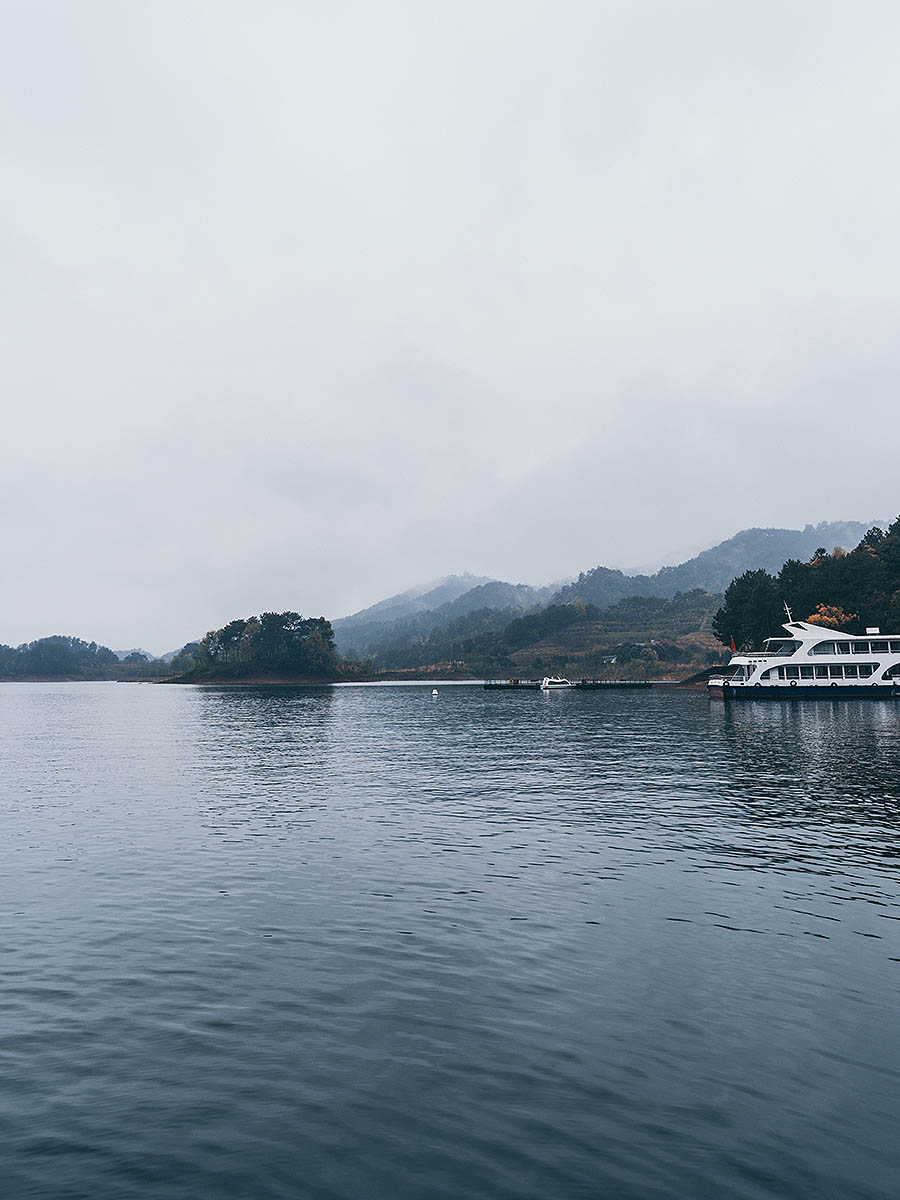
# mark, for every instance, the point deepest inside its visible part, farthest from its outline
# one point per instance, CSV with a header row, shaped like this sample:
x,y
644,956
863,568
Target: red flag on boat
x,y
733,646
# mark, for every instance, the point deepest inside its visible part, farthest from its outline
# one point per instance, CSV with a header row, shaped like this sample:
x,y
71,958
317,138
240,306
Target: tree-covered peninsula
x,y
271,646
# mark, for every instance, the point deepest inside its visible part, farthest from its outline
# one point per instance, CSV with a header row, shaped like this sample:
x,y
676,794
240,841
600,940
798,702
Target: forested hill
x,y
415,600
714,569
640,636
768,549
846,591
368,633
636,637
395,629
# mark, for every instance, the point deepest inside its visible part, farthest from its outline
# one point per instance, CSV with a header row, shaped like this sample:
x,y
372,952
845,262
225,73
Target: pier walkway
x,y
586,685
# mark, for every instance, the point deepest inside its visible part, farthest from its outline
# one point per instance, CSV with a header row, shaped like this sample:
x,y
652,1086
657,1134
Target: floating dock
x,y
586,685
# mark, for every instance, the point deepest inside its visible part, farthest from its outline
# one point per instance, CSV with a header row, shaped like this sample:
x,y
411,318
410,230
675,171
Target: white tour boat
x,y
814,661
554,683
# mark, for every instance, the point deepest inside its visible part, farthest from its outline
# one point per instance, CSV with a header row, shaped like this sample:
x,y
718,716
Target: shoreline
x,y
691,682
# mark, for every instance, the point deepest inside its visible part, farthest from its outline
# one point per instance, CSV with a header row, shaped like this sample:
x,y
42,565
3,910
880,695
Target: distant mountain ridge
x,y
121,655
416,599
715,568
415,614
361,634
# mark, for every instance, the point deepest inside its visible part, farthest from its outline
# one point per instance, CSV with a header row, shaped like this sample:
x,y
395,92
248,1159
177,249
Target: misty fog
x,y
306,304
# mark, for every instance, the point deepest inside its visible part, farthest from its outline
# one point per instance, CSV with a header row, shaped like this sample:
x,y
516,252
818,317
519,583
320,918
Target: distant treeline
x,y
272,644
840,590
58,658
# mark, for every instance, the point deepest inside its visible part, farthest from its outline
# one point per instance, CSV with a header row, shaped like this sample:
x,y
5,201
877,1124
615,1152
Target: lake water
x,y
360,942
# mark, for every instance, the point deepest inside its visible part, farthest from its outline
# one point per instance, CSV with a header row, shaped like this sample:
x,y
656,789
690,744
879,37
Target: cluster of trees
x,y
273,644
270,644
537,626
57,657
839,590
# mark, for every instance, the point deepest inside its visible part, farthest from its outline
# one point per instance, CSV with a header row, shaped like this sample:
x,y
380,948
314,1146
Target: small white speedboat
x,y
554,683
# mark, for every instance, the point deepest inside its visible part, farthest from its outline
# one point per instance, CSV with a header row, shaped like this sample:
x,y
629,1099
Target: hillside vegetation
x,y
713,569
368,635
497,627
840,590
638,637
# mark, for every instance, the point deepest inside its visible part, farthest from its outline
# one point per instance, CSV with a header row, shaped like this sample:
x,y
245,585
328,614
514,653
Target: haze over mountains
x,y
715,568
637,626
417,613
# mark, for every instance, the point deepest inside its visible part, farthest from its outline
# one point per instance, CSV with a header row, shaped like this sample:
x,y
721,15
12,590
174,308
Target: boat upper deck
x,y
809,639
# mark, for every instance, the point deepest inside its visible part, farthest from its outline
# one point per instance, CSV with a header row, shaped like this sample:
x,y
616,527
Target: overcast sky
x,y
304,303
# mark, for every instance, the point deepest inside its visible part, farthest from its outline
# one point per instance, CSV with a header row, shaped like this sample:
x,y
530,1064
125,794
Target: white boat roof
x,y
804,630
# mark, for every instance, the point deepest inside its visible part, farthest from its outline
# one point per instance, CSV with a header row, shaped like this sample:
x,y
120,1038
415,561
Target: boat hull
x,y
872,691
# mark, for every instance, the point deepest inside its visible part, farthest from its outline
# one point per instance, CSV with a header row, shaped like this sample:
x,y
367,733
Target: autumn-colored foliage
x,y
831,616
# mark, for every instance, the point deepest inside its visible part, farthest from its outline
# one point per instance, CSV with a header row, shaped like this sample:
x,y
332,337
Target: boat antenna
x,y
788,611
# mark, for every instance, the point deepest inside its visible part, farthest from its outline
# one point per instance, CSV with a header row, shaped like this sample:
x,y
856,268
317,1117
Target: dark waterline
x,y
360,942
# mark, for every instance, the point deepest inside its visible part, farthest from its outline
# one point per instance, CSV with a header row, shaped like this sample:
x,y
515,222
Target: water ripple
x,y
355,942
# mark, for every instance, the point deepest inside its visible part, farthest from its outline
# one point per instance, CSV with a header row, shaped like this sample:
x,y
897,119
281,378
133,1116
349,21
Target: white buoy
x,y
434,691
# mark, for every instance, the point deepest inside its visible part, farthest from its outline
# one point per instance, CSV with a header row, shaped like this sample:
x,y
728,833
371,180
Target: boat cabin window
x,y
842,647
892,672
780,646
879,647
850,671
823,648
895,647
741,673
830,671
860,647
